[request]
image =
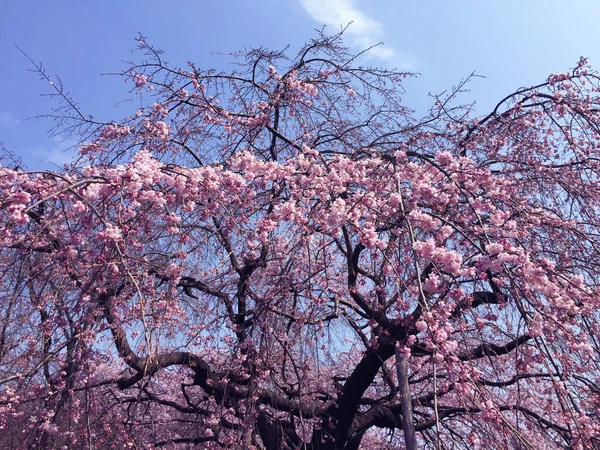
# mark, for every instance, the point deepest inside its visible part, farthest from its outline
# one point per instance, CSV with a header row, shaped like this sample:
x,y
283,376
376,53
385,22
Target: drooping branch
x,y
487,349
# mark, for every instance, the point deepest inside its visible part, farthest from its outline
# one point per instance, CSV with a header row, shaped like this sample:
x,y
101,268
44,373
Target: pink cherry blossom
x,y
266,259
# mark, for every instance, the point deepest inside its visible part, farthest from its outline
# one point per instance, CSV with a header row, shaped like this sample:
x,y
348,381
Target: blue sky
x,y
513,43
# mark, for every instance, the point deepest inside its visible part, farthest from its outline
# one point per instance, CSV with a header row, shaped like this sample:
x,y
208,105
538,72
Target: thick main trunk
x,y
355,387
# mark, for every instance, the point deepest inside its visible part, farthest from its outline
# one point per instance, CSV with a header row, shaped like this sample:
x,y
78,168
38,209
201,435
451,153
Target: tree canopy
x,y
285,256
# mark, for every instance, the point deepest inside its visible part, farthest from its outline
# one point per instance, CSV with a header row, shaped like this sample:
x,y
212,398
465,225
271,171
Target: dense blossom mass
x,y
286,257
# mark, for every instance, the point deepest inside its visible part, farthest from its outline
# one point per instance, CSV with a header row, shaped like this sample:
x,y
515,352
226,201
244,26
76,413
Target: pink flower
x,y
448,347
91,148
114,131
494,248
433,283
21,197
425,248
444,158
158,108
440,336
139,79
111,233
79,207
421,325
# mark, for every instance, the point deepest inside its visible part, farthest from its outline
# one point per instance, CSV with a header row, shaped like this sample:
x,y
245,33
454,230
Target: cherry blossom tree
x,y
285,256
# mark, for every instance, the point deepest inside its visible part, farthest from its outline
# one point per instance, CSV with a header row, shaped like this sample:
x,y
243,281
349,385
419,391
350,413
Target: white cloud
x,y
364,31
60,151
8,120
